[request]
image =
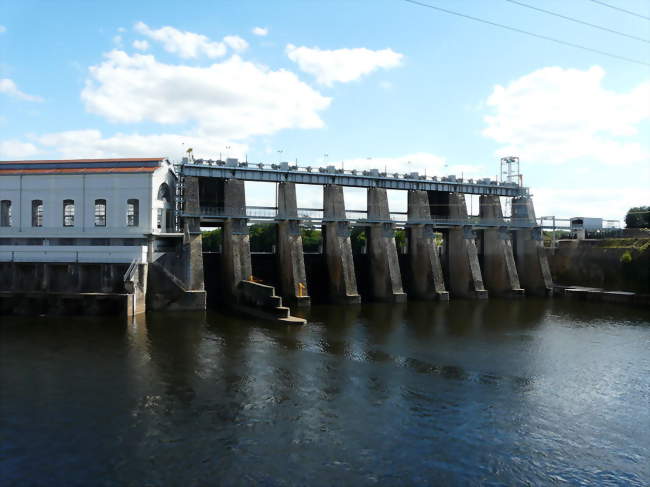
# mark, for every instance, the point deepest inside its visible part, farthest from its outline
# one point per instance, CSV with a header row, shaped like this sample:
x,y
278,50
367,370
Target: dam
x,y
98,234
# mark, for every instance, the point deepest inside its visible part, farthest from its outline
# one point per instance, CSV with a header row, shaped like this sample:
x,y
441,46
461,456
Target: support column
x,y
499,270
236,253
385,276
465,279
532,264
291,261
426,277
338,248
192,240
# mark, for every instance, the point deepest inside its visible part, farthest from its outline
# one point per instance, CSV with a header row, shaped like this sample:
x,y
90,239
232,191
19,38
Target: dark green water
x,y
532,392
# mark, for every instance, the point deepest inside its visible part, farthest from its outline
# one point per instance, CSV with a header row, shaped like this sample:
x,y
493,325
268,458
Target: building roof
x,y
81,166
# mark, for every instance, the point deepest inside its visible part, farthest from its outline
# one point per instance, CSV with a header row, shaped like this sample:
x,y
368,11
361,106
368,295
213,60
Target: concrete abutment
x,y
338,248
291,262
499,269
532,264
385,275
425,272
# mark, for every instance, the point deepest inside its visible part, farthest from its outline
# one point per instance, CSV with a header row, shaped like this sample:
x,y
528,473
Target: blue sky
x,y
380,83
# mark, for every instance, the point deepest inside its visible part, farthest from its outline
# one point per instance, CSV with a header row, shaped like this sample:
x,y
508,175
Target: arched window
x,y
37,213
68,213
132,213
164,193
5,213
100,213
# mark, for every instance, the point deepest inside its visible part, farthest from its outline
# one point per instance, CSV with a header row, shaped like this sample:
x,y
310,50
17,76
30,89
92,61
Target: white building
x,y
86,210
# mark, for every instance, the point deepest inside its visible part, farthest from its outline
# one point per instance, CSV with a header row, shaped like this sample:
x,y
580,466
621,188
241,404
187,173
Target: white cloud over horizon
x,y
9,88
234,99
555,115
93,144
341,65
190,44
260,31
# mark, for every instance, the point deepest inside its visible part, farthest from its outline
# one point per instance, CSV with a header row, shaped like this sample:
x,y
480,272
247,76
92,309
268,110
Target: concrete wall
x,y
598,263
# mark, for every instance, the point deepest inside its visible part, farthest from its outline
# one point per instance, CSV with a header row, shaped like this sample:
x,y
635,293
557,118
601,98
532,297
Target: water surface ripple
x,y
530,392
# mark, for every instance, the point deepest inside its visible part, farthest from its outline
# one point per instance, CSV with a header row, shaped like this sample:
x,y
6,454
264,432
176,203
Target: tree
x,y
638,217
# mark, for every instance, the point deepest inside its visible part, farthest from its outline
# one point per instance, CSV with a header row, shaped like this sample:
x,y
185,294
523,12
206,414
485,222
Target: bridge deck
x,y
360,179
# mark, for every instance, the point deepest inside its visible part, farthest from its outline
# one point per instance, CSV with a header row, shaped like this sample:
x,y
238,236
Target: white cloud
x,y
236,43
16,149
555,115
2,29
233,99
342,65
141,45
185,44
260,31
91,143
8,87
118,41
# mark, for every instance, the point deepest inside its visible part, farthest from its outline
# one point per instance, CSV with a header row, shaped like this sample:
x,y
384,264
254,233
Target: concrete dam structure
x,y
449,253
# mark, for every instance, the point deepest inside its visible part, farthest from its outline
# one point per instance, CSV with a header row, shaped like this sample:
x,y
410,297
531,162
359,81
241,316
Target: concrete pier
x,y
465,278
532,264
425,272
382,251
291,262
499,270
192,240
236,238
338,248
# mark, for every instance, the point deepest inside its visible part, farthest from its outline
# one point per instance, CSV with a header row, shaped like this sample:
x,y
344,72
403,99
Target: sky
x,y
382,84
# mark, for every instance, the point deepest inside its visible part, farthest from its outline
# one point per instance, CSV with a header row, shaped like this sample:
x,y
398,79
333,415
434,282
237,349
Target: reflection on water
x,y
504,392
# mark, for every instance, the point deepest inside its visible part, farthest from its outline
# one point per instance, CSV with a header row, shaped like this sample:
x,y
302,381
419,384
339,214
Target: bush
x,y
638,217
626,258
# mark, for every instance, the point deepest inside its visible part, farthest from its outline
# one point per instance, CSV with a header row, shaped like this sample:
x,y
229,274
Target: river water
x,y
530,392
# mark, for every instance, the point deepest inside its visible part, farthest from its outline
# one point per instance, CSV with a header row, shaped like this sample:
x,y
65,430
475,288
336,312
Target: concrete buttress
x,y
291,262
499,270
532,264
192,240
465,279
236,237
425,272
338,248
385,276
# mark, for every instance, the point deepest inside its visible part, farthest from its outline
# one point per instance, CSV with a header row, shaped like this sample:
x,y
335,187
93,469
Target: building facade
x,y
86,210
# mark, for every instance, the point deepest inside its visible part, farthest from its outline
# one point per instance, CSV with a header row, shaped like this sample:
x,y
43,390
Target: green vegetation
x,y
638,217
640,244
626,258
211,240
311,239
263,238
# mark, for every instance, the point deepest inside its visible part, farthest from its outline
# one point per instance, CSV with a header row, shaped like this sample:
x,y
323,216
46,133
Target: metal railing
x,y
267,214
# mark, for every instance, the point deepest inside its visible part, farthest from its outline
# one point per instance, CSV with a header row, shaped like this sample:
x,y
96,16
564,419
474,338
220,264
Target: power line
x,y
572,19
532,34
620,9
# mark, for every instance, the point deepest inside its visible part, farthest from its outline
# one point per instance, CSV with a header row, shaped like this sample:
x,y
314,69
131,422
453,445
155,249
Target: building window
x,y
132,213
100,213
5,213
68,213
37,213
